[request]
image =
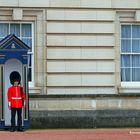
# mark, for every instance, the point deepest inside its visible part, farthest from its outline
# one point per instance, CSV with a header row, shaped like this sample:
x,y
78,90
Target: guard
x,y
16,101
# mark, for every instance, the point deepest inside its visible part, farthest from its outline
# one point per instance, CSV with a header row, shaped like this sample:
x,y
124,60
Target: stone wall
x,y
85,111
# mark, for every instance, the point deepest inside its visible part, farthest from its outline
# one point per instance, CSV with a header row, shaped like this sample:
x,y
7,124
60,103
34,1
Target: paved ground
x,y
73,134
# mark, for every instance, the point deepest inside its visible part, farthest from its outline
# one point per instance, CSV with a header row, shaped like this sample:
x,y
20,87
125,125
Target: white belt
x,y
16,98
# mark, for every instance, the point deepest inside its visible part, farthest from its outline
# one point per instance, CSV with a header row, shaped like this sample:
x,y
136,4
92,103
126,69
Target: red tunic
x,y
14,97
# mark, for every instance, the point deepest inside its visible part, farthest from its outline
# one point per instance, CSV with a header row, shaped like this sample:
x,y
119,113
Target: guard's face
x,y
15,83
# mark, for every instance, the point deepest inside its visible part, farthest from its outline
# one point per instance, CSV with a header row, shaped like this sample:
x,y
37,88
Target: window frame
x,y
127,83
31,83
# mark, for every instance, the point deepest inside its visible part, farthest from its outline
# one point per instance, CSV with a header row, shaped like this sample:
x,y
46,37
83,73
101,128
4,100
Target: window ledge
x,y
34,90
129,89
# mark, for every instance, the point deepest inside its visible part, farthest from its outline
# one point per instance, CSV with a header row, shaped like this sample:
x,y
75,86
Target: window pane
x,y
136,46
26,30
125,31
125,74
136,74
136,61
130,53
15,29
28,42
135,31
21,30
125,46
125,61
4,30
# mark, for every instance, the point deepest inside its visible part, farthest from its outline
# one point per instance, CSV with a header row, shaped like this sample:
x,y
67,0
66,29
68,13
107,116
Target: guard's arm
x,y
9,98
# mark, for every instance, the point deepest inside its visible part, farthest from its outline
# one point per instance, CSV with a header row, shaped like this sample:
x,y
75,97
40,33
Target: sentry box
x,y
13,59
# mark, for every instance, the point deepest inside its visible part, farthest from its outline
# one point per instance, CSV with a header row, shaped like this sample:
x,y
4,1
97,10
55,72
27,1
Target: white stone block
x,y
56,91
96,3
56,67
105,40
80,40
63,53
55,40
132,104
80,14
93,103
98,80
105,15
107,103
80,90
61,27
55,14
34,90
40,78
40,26
70,104
71,66
80,53
125,4
97,27
77,40
5,12
84,66
35,3
40,53
106,66
64,80
39,65
137,15
97,53
72,14
9,3
40,40
65,3
17,14
83,27
48,104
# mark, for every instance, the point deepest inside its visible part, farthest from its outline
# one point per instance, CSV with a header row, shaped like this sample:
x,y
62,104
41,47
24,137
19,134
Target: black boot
x,y
12,129
20,129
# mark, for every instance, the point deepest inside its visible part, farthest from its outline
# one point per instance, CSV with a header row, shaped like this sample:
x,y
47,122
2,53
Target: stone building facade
x,y
77,70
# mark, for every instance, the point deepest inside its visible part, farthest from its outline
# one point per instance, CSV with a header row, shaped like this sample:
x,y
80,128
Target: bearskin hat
x,y
15,76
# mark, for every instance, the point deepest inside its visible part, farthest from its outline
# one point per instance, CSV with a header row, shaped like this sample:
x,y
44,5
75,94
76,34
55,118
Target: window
x,y
24,32
130,53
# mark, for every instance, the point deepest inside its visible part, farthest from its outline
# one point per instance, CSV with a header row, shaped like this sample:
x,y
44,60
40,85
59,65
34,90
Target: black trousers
x,y
19,117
